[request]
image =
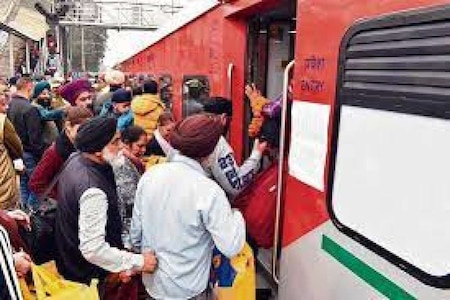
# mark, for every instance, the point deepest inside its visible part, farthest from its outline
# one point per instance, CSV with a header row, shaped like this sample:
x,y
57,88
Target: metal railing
x,y
126,14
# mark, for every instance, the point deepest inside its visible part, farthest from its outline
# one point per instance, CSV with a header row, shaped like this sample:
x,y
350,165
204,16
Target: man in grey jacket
x,y
222,165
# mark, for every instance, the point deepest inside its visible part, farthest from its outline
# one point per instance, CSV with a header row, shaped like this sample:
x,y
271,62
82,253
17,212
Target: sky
x,y
123,44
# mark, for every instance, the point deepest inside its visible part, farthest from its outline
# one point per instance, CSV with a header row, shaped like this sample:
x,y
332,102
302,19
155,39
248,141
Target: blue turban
x,y
40,87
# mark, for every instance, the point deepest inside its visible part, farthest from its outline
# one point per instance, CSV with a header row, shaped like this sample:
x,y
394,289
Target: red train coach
x,y
213,49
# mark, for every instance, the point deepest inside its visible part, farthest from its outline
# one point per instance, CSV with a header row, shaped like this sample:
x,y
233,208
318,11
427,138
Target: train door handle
x,y
273,188
276,237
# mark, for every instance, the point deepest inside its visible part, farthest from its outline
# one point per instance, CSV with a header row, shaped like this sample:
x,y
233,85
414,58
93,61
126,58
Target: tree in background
x,y
94,47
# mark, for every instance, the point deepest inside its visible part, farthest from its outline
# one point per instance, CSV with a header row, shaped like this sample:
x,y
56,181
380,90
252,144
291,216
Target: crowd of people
x,y
139,194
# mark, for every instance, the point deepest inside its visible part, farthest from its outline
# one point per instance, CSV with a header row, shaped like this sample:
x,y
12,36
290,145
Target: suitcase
x,y
257,204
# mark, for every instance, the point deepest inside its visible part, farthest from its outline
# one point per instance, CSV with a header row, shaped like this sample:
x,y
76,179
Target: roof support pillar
x,y
11,55
27,57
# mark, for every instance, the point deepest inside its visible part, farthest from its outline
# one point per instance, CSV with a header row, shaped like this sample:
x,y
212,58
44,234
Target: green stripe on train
x,y
364,271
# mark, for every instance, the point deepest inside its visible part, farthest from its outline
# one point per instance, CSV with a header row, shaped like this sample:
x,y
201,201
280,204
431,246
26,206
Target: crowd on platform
x,y
139,194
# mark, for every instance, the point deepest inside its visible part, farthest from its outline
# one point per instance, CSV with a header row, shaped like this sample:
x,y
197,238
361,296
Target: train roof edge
x,y
184,18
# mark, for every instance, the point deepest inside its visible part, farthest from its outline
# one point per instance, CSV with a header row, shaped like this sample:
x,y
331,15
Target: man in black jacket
x,y
27,122
88,223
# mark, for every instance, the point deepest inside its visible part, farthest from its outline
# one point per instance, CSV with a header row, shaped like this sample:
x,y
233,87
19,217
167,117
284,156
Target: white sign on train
x,y
309,142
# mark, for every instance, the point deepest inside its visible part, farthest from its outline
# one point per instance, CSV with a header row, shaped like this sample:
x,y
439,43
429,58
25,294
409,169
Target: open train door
x,y
270,49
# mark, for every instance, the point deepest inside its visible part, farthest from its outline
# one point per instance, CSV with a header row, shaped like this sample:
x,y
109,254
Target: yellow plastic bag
x,y
235,278
153,160
49,285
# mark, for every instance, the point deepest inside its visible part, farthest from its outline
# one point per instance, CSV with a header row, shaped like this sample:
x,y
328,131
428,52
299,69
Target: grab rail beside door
x,y
276,238
230,80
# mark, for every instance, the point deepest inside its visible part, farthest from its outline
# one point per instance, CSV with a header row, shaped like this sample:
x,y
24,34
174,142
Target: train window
x,y
388,185
166,90
195,93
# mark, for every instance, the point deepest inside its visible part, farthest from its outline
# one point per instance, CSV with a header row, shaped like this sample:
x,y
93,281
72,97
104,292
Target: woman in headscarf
x,y
128,168
56,155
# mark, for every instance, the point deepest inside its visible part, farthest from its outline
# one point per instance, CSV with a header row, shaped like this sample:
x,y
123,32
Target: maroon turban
x,y
72,90
197,135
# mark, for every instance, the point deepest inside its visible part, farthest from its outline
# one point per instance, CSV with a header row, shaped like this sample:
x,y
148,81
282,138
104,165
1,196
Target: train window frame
x,y
207,89
387,101
165,83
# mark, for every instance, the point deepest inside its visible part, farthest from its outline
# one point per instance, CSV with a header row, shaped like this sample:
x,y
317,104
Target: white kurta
x,y
92,235
181,214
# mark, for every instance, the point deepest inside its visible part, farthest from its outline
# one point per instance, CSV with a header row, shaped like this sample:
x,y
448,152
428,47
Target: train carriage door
x,y
271,42
270,48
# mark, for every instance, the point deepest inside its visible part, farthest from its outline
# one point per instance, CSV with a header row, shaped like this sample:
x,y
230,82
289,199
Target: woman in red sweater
x,y
55,156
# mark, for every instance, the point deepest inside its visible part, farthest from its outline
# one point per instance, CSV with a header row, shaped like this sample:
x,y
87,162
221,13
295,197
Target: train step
x,y
264,294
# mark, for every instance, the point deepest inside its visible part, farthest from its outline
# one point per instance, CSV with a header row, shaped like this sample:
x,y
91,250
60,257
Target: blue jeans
x,y
28,199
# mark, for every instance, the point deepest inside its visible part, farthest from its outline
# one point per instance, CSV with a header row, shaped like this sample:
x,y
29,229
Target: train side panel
x,y
318,261
195,49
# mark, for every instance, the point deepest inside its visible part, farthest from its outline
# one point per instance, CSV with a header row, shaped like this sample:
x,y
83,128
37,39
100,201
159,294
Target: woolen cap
x,y
95,134
151,87
121,96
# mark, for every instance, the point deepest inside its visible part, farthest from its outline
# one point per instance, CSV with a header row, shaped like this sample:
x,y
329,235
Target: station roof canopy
x,y
19,17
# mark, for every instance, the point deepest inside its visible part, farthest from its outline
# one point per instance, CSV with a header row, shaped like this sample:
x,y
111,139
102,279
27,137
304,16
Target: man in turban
x,y
78,93
51,118
88,223
221,164
193,210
